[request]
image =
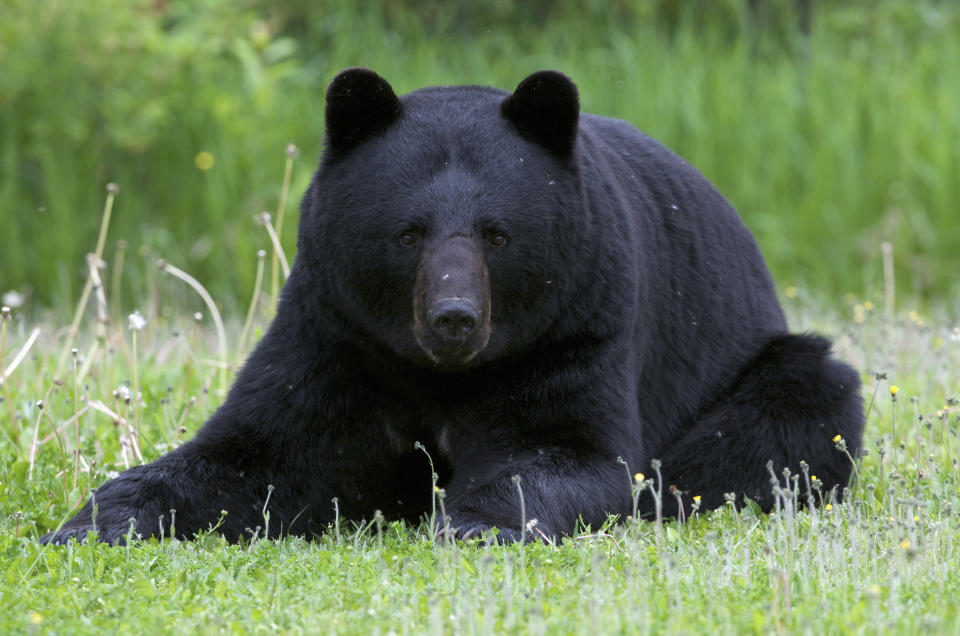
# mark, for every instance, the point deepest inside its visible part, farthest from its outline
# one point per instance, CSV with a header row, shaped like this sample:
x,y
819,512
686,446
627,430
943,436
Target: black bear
x,y
523,290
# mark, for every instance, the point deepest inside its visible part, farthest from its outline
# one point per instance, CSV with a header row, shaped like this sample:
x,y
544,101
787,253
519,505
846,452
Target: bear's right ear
x,y
360,104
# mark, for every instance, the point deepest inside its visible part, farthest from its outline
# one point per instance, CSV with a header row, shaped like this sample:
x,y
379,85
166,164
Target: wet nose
x,y
454,319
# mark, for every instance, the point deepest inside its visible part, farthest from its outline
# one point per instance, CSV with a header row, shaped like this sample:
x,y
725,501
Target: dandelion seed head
x,y
136,322
12,299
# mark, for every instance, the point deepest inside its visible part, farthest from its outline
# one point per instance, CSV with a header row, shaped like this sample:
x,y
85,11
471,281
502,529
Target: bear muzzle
x,y
452,303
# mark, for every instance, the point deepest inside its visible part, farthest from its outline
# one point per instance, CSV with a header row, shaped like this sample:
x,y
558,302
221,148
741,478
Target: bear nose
x,y
454,319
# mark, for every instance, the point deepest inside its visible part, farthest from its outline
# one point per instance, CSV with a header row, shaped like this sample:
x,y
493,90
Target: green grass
x,y
828,147
885,560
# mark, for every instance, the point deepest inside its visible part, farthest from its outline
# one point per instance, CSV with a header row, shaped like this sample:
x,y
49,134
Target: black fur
x,y
608,302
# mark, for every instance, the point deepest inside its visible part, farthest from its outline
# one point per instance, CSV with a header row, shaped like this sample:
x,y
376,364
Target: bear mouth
x,y
452,356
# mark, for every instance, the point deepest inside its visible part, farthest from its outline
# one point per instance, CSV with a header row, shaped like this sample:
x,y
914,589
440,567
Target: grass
x,y
828,147
885,560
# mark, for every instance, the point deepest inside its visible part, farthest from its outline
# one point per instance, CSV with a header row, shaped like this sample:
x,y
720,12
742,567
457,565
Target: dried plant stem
x,y
4,372
33,445
103,316
889,287
277,248
248,322
115,275
36,433
893,424
62,427
136,385
183,417
74,326
105,222
281,206
76,421
20,355
88,285
211,307
122,423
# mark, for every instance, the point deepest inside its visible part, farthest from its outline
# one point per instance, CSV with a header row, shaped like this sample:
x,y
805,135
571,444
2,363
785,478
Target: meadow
x,y
831,146
885,560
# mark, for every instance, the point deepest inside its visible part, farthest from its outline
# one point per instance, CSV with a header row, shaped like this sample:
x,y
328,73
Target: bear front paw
x,y
113,536
489,533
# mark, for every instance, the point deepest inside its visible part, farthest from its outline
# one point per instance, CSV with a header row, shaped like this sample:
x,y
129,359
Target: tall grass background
x,y
828,144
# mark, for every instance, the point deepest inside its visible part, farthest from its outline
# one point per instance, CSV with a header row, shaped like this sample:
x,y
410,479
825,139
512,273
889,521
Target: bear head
x,y
441,225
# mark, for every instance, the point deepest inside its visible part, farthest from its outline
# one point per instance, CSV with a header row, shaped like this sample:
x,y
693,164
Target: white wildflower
x,y
136,322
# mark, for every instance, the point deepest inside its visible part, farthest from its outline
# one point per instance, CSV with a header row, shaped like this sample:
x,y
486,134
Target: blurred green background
x,y
831,126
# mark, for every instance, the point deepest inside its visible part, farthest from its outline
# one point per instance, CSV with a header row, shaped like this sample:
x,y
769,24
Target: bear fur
x,y
523,290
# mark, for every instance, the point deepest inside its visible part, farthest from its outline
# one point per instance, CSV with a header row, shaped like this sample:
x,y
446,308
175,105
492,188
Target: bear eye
x,y
496,239
408,239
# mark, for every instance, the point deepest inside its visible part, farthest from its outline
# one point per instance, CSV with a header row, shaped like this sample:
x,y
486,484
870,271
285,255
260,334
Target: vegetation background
x,y
834,127
831,132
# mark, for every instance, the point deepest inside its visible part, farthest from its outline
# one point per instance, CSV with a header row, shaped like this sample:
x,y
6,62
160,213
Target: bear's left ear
x,y
545,109
360,104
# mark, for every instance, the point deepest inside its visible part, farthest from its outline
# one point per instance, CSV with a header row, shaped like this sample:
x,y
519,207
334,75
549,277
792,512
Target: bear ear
x,y
360,104
545,109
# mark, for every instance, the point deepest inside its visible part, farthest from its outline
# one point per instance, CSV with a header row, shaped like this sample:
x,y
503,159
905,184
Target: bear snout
x,y
454,320
452,303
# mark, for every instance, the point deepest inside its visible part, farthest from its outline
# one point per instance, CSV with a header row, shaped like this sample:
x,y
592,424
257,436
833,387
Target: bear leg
x,y
786,406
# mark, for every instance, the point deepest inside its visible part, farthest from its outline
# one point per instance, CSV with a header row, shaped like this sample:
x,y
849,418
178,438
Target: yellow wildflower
x,y
837,438
638,477
36,618
868,306
894,389
905,544
790,292
696,498
204,160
